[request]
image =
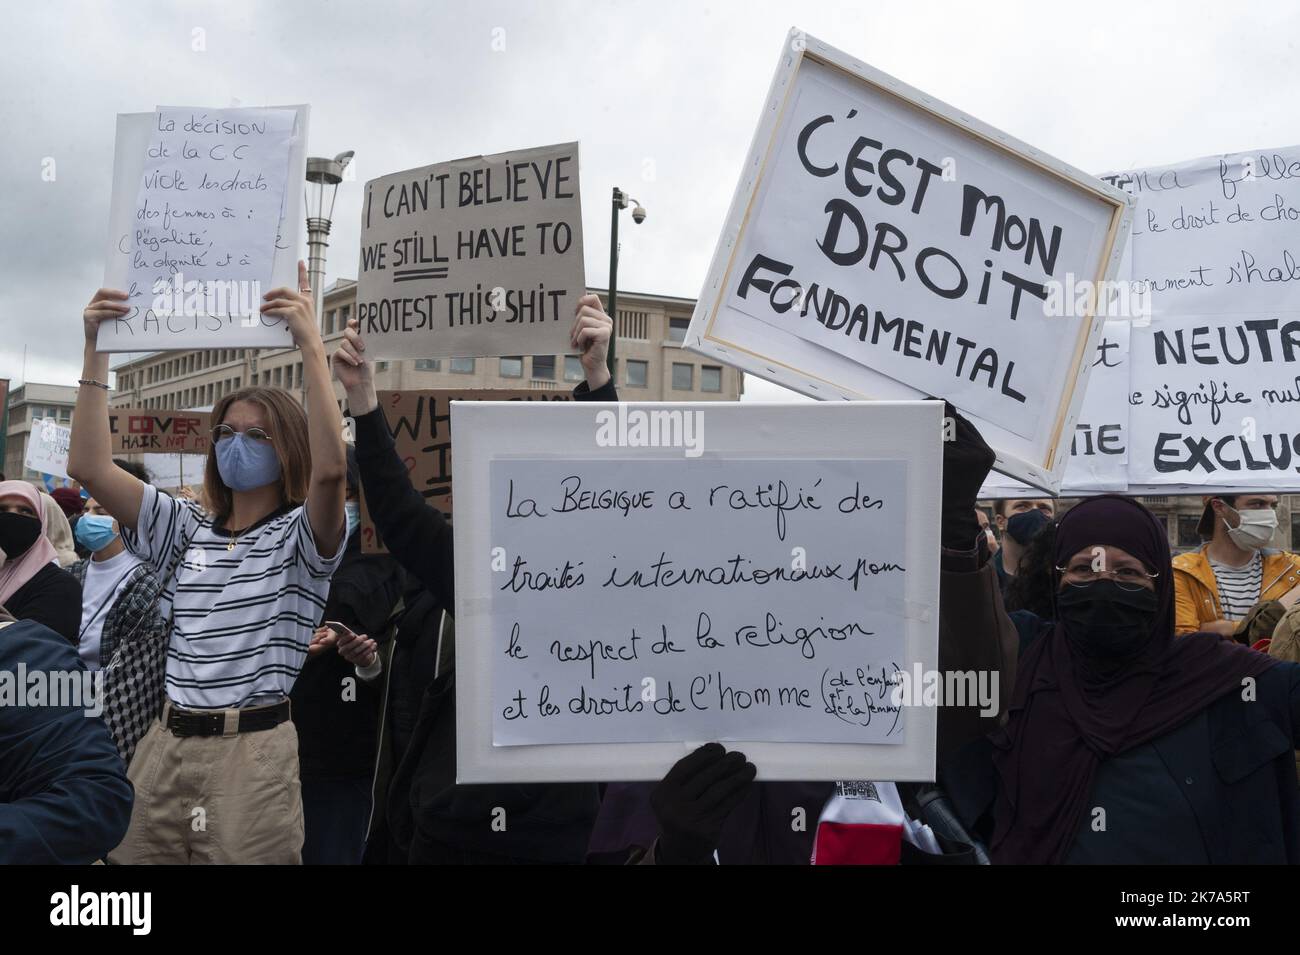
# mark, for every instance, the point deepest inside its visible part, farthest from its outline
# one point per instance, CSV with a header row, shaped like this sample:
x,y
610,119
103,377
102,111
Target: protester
x,y
122,628
1018,521
64,795
708,802
1030,595
1218,585
452,823
1124,744
983,519
244,586
72,504
59,531
32,586
336,702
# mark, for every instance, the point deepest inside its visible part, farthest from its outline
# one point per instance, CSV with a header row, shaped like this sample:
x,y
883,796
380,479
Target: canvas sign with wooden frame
x,y
882,244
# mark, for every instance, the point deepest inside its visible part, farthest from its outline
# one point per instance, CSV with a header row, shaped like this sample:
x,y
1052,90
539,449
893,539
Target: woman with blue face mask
x,y
122,631
244,585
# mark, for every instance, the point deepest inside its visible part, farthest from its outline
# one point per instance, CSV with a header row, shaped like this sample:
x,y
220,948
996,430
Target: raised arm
x,y
329,464
90,455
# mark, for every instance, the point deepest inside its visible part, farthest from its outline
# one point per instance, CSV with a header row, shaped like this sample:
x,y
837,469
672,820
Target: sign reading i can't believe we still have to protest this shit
x,y
882,244
763,574
473,258
206,218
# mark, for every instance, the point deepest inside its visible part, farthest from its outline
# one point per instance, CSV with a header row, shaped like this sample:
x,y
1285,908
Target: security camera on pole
x,y
621,199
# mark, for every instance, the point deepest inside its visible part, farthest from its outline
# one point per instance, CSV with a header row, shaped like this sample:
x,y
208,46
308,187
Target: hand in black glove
x,y
693,801
967,460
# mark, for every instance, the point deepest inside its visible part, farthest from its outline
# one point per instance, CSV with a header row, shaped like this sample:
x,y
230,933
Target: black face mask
x,y
18,533
1023,528
1107,620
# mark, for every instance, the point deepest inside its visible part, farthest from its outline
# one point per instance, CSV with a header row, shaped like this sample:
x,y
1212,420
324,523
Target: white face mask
x,y
1256,529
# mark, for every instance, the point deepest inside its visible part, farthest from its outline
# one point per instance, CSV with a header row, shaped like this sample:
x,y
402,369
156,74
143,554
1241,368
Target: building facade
x,y
651,364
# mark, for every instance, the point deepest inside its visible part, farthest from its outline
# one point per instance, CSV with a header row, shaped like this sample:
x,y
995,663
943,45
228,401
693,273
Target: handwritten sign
x,y
476,257
881,244
1216,373
631,577
420,422
206,218
135,430
47,447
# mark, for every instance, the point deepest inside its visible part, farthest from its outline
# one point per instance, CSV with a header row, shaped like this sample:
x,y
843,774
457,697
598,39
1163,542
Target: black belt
x,y
213,722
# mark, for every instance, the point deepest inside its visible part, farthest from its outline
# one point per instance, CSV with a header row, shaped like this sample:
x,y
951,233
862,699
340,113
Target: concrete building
x,y
651,363
28,403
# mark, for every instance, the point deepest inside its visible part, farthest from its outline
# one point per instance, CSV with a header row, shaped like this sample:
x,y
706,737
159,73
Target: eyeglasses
x,y
223,431
1126,578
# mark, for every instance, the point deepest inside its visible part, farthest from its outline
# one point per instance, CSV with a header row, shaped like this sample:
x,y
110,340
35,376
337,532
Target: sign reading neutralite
x,y
471,258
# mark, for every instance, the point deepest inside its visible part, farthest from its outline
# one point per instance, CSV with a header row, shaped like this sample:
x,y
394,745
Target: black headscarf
x,y
1072,708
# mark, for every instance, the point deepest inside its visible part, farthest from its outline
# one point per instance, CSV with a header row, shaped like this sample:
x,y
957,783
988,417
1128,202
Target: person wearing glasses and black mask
x,y
1124,744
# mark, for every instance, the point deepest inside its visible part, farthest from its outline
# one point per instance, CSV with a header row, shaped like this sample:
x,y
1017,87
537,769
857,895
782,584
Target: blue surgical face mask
x,y
352,510
95,531
245,463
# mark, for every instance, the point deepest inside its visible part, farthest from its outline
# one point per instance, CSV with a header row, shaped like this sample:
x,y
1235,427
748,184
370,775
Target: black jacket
x,y
64,796
1235,767
548,823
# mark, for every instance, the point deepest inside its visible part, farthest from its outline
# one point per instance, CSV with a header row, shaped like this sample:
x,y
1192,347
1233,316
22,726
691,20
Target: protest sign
x,y
635,579
420,422
882,244
471,258
1099,447
1216,373
206,217
173,471
47,447
135,430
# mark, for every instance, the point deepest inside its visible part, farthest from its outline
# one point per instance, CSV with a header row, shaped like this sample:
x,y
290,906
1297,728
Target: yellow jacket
x,y
1196,592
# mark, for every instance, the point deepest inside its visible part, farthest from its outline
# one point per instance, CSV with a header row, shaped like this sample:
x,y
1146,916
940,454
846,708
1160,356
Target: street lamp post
x,y
323,178
621,199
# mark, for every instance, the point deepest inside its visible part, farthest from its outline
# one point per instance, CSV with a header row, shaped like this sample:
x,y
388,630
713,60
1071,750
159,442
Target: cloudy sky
x,y
662,95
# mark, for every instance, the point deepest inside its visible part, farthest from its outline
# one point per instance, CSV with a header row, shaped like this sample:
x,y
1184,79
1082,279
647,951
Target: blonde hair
x,y
287,424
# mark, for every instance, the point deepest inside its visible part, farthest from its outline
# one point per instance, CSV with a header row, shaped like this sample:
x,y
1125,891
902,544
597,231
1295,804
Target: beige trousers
x,y
232,799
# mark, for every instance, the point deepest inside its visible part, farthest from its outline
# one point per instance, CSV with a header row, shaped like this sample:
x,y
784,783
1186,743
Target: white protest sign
x,y
172,471
764,574
882,244
1216,374
47,447
1099,448
206,217
476,257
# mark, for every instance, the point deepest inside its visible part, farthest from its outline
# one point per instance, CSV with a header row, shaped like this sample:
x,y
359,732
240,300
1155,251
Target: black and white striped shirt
x,y
241,618
1239,587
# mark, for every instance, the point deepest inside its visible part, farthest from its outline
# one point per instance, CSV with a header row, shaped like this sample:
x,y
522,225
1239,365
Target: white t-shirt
x,y
104,582
242,618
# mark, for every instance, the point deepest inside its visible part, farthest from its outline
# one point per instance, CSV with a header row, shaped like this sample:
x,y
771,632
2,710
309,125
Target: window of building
x,y
544,367
329,321
381,366
677,329
512,367
1187,536
428,364
297,375
683,376
344,316
637,373
711,378
463,366
573,368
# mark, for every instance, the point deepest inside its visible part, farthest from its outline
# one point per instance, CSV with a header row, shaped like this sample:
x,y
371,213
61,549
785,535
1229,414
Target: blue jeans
x,y
335,815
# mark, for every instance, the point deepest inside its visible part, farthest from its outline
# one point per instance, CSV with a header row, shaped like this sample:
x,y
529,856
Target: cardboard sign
x,y
476,257
420,422
634,579
206,217
881,244
136,430
47,447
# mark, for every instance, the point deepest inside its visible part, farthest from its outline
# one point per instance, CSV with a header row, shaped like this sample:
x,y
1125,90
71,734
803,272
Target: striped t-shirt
x,y
1239,587
243,618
